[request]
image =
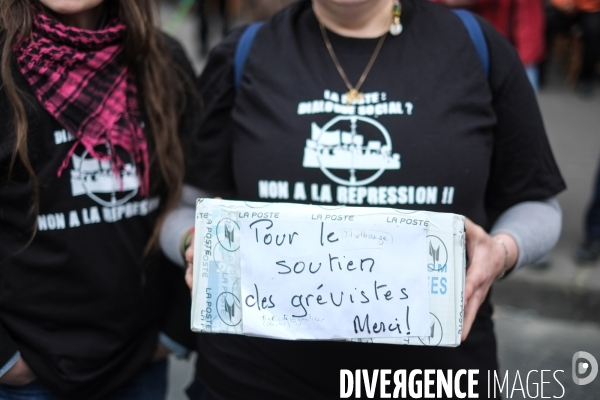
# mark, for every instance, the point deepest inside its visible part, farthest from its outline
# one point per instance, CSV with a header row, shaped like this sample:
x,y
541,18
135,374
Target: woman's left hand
x,y
486,262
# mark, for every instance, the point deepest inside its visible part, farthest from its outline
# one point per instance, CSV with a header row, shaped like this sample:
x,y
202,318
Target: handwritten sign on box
x,y
341,279
294,271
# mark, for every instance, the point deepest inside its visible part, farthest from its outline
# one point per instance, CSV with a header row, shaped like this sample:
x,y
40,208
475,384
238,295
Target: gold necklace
x,y
353,91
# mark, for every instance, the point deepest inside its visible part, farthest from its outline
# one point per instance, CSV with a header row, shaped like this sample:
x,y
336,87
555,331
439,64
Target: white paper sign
x,y
292,271
309,279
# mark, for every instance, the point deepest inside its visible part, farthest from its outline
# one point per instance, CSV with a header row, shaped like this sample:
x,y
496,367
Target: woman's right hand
x,y
19,375
189,262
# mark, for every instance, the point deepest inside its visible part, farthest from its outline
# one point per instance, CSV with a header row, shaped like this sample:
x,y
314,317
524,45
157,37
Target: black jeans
x,y
558,22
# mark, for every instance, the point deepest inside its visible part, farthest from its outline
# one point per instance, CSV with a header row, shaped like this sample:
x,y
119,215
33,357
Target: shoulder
x,y
289,17
440,24
433,17
505,62
436,17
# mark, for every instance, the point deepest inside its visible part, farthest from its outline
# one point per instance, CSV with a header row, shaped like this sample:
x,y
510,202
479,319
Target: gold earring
x,y
396,27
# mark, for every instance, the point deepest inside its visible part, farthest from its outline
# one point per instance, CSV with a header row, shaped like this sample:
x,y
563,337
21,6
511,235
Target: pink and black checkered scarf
x,y
82,79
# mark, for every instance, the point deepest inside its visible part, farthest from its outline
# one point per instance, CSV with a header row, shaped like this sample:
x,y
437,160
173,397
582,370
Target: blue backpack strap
x,y
242,50
477,38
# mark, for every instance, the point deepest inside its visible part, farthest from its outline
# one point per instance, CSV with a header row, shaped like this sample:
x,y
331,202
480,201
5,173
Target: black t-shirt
x,y
81,303
432,133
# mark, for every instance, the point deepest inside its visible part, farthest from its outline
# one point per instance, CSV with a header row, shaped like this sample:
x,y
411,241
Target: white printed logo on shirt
x,y
97,179
338,145
113,194
353,150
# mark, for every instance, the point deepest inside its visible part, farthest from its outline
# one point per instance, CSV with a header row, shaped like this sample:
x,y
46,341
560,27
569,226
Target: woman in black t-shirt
x,y
91,97
418,96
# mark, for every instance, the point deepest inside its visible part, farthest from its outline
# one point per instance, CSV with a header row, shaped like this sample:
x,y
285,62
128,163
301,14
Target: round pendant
x,y
395,29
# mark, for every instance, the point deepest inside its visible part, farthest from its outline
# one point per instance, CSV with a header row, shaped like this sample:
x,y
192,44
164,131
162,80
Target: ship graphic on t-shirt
x,y
339,149
97,179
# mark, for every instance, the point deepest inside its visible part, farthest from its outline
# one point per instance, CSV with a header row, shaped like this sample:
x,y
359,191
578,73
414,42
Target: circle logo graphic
x,y
436,332
229,309
97,179
350,150
228,234
580,367
437,258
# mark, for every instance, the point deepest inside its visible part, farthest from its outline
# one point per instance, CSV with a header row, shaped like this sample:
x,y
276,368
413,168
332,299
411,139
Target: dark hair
x,y
159,85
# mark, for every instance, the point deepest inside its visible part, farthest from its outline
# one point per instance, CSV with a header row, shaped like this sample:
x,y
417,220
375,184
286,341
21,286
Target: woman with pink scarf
x,y
92,100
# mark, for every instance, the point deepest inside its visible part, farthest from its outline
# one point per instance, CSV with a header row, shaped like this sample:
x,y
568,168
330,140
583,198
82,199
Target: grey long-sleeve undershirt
x,y
535,226
179,221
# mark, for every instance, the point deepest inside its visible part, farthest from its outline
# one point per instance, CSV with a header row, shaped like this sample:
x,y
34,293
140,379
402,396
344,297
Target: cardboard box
x,y
381,273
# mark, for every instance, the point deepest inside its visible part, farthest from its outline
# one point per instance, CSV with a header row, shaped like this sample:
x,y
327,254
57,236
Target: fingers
x,y
470,240
476,288
189,252
469,225
471,281
470,287
473,235
189,276
189,261
480,271
471,311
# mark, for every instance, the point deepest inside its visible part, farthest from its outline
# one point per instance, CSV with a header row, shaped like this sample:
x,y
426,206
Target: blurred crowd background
x,y
564,33
547,311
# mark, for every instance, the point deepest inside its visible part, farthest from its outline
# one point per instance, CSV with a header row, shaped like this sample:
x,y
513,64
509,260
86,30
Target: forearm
x,y
178,222
9,364
535,227
13,369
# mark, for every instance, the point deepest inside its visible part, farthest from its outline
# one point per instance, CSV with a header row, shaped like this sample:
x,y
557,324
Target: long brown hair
x,y
159,85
